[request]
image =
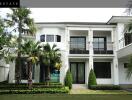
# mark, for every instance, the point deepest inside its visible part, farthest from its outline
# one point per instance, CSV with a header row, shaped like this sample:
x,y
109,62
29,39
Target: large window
x,y
102,69
99,43
78,43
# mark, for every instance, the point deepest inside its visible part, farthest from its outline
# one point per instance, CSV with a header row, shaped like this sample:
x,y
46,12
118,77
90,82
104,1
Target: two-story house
x,y
85,45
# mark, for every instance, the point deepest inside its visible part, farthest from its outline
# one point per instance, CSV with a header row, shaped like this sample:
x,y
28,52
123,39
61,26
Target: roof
x,y
116,19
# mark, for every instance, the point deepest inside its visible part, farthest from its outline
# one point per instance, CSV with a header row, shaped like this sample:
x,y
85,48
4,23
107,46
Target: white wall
x,y
4,71
122,74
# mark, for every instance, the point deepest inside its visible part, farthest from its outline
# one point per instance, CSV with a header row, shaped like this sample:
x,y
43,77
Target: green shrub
x,y
37,91
91,79
105,87
68,79
25,86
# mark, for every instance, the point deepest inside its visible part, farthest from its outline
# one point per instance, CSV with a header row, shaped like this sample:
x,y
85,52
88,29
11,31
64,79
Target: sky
x,y
72,14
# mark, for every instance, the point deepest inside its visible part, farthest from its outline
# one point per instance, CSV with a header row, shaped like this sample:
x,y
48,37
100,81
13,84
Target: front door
x,y
78,72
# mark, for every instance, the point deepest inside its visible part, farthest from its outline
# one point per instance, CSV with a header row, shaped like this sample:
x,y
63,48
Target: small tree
x,y
68,79
91,79
31,49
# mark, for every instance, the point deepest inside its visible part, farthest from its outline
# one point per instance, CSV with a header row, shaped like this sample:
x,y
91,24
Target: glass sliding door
x,y
78,72
73,72
81,73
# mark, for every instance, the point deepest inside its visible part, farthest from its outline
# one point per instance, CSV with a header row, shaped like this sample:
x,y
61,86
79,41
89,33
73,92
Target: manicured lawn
x,y
87,91
64,97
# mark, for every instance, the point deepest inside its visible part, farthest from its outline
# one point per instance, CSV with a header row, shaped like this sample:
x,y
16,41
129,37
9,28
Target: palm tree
x,y
31,49
20,21
50,57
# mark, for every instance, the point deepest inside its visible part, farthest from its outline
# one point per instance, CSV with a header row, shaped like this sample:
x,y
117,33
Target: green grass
x,y
64,97
86,91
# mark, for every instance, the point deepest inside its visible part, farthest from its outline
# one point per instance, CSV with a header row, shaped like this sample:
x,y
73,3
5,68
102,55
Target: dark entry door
x,y
78,72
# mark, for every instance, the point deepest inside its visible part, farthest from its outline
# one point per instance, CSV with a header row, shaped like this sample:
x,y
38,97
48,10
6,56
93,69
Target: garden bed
x,y
37,88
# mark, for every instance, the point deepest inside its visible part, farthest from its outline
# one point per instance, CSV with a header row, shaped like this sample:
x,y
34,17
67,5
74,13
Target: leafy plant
x,y
91,79
50,56
32,50
68,79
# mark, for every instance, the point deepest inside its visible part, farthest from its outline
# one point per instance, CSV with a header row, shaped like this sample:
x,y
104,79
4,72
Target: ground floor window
x,y
102,69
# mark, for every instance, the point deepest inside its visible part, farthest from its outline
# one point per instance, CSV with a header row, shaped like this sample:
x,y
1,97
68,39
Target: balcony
x,y
103,47
77,51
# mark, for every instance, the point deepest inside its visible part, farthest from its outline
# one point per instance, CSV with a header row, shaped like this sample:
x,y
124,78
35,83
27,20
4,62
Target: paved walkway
x,y
79,86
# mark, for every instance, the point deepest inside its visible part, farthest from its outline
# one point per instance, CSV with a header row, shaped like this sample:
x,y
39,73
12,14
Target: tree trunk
x,y
30,75
18,67
48,75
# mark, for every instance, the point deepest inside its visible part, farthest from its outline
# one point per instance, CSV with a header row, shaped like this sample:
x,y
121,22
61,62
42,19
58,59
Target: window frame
x,y
78,37
50,35
98,43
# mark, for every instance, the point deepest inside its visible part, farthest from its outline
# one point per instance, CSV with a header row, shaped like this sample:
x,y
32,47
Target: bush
x,y
25,86
91,79
105,87
37,91
68,79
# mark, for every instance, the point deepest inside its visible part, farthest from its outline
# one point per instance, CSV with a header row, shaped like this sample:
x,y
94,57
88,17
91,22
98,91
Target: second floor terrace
x,y
100,42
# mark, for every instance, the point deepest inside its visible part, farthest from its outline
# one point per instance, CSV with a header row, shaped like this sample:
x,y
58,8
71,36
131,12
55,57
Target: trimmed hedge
x,y
105,87
68,79
91,79
36,91
12,86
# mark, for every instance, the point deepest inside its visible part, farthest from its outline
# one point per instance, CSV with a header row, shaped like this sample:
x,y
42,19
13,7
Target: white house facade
x,y
84,45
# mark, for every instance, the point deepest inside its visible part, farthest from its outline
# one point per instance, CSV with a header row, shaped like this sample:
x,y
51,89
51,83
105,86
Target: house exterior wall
x,y
113,33
123,74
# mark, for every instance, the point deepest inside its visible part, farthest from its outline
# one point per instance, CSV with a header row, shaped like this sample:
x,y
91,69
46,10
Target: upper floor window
x,y
42,38
77,43
99,43
58,38
50,38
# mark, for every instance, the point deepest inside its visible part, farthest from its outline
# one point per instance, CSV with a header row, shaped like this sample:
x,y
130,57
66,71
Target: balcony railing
x,y
76,51
103,47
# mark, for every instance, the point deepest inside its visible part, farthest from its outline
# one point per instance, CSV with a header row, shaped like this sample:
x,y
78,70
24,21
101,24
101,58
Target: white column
x,y
91,49
65,59
115,60
116,73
